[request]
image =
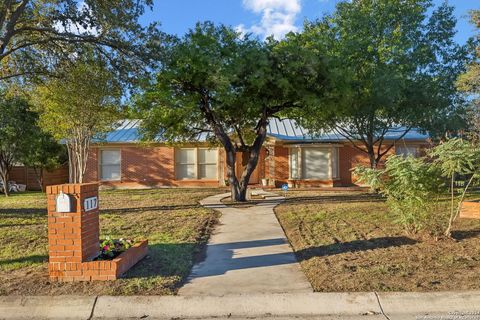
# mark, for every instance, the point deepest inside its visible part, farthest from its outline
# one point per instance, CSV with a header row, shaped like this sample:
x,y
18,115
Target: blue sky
x,y
265,17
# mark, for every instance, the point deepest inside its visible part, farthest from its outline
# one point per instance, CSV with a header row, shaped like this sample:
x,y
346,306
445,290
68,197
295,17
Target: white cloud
x,y
278,17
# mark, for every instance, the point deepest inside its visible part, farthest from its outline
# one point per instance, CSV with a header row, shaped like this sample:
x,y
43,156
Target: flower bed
x,y
111,248
110,269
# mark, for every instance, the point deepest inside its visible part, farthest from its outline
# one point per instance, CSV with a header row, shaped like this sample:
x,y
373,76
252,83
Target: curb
x,y
367,305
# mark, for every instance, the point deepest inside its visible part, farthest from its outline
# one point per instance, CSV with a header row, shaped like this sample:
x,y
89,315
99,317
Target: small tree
x,y
412,188
79,106
226,86
457,157
394,67
43,153
17,130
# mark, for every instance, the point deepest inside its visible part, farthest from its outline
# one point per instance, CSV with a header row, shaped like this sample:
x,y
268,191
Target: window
x,y
315,163
196,163
207,163
186,164
294,163
110,168
406,151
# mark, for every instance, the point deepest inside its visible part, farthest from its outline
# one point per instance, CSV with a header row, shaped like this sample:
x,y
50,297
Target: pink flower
x,y
106,248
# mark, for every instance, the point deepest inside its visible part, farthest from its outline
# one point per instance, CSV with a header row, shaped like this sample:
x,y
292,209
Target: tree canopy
x,y
35,35
394,66
226,86
17,131
81,105
469,82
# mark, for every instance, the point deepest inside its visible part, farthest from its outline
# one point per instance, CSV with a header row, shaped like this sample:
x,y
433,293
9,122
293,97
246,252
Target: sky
x,y
267,17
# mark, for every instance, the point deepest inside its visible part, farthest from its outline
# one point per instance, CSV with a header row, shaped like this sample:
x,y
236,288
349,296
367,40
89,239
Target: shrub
x,y
456,157
412,188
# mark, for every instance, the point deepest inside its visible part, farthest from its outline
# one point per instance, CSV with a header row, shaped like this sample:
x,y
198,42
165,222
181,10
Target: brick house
x,y
290,155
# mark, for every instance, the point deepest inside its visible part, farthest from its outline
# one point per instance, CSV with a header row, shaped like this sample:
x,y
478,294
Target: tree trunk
x,y
239,187
39,176
372,157
4,176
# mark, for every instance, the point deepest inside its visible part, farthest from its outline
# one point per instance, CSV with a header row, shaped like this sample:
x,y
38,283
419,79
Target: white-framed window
x,y
110,164
295,163
405,151
196,163
314,163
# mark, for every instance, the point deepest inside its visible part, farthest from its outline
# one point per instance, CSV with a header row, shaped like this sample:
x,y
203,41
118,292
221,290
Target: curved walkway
x,y
248,253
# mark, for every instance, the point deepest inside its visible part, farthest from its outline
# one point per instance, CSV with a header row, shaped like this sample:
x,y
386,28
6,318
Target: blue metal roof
x,y
285,129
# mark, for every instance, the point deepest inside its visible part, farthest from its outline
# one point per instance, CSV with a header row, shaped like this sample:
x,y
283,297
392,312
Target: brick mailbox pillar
x,y
73,236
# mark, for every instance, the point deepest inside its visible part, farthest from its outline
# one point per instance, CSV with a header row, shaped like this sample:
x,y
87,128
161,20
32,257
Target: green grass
x,y
171,219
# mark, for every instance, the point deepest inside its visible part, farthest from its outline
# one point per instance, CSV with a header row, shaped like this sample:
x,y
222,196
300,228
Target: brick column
x,y
73,237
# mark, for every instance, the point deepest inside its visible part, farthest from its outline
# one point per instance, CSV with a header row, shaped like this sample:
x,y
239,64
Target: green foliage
x,y
393,64
216,82
456,157
39,34
412,188
18,130
240,77
469,82
44,152
86,98
81,105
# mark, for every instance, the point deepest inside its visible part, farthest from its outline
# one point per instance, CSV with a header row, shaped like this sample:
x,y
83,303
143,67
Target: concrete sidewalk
x,y
365,306
247,254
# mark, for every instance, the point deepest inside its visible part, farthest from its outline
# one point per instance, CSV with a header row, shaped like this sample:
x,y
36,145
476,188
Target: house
x,y
290,155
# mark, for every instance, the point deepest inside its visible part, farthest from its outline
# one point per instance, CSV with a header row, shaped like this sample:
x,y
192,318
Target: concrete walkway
x,y
248,253
352,306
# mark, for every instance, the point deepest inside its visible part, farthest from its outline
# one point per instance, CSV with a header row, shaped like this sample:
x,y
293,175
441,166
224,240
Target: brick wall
x,y
142,166
281,166
155,166
73,239
72,236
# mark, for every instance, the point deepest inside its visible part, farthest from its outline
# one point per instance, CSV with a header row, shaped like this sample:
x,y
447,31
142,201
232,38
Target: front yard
x,y
171,219
349,242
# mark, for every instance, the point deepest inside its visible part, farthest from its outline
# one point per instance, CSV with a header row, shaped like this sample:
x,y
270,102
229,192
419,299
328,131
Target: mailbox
x,y
64,202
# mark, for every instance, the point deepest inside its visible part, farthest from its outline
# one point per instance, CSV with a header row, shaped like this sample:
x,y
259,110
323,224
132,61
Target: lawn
x,y
349,242
171,219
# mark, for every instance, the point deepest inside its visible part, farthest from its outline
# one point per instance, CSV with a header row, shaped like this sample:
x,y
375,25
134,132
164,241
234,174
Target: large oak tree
x,y
226,86
35,35
394,63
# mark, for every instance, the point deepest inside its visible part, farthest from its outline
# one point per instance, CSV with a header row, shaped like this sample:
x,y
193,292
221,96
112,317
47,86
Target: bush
x,y
412,188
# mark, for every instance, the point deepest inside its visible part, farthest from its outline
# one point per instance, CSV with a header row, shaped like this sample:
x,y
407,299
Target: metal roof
x,y
281,129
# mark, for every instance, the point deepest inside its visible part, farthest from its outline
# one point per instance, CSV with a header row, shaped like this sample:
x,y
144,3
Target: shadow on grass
x,y
30,212
465,234
311,199
178,259
28,259
23,212
354,246
363,197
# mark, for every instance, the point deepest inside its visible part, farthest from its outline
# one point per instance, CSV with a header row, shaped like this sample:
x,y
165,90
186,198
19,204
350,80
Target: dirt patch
x,y
349,242
171,219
